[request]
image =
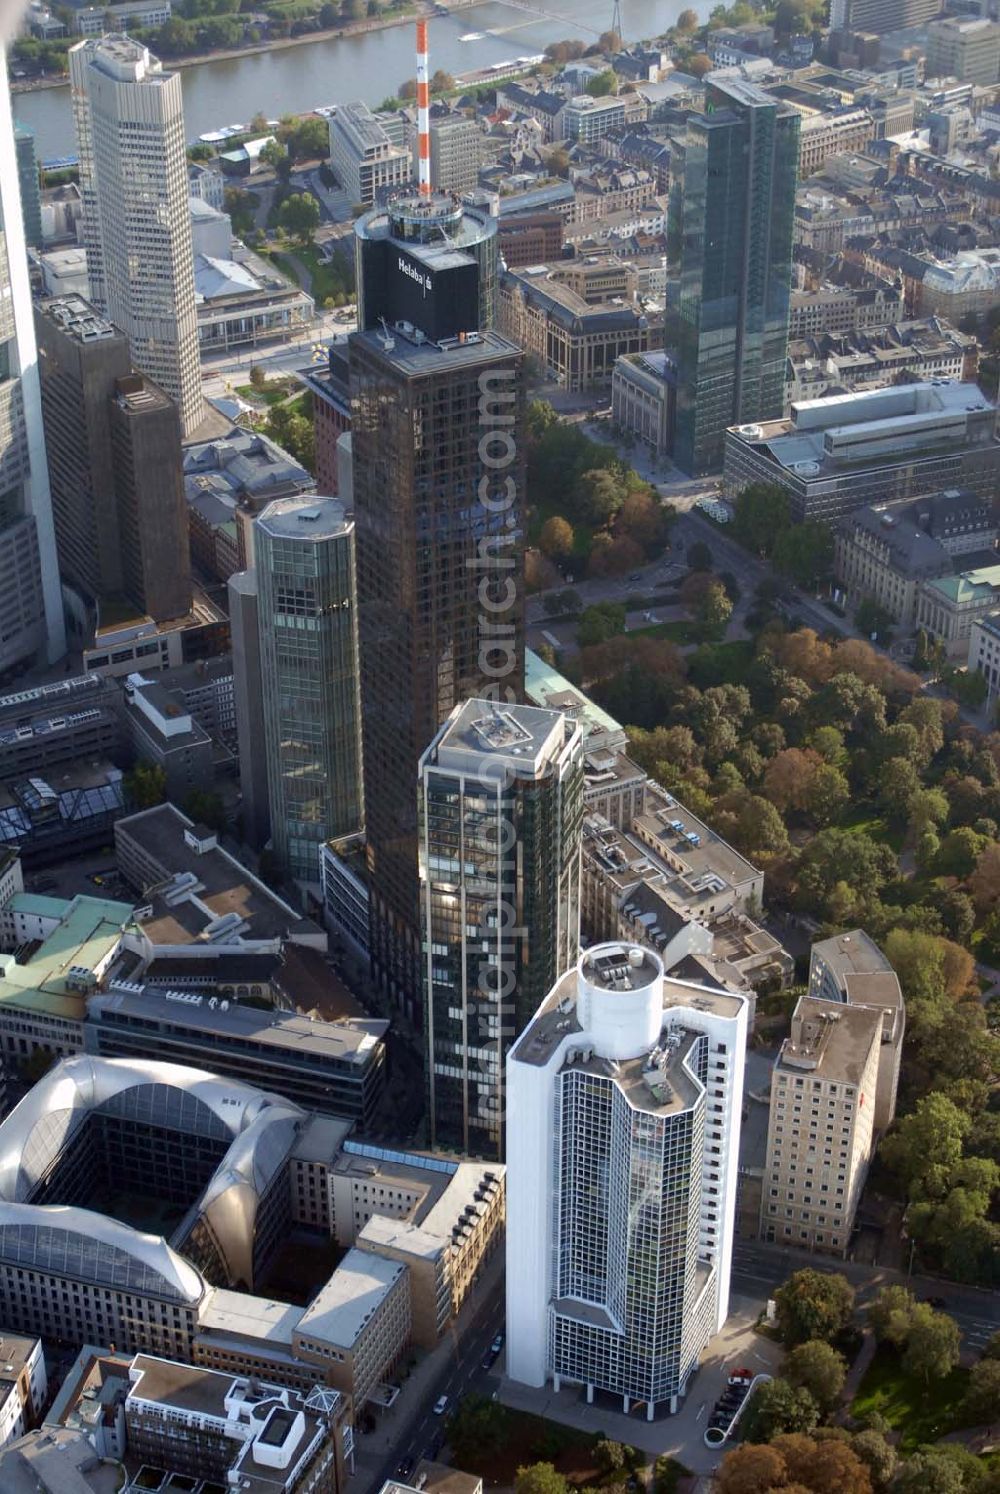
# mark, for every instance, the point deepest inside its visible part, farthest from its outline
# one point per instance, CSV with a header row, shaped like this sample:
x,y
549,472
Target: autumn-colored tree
x,y
804,653
788,778
556,538
750,1469
984,883
699,65
837,1469
687,22
539,572
642,518
614,557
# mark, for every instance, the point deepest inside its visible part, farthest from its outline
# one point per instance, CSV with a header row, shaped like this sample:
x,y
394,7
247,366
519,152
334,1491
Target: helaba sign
x,y
422,279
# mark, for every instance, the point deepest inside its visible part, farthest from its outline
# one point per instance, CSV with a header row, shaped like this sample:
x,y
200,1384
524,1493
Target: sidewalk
x,y
856,1374
680,1436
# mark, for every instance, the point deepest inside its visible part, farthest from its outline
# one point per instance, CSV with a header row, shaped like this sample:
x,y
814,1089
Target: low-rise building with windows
x,y
357,1325
887,552
644,398
821,1129
984,654
948,606
23,1385
576,342
836,454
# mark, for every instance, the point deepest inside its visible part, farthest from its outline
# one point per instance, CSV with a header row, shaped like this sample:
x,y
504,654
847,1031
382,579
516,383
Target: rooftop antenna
x,y
424,111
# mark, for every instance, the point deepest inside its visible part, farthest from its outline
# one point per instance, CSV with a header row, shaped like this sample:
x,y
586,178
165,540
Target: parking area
x,y
681,1436
93,875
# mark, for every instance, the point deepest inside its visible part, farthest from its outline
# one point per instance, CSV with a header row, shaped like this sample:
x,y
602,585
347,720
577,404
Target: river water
x,y
368,66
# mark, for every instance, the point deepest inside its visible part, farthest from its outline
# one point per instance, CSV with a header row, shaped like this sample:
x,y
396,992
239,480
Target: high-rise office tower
x,y
31,611
149,489
437,438
31,197
738,162
304,549
501,808
129,121
248,703
114,456
428,260
623,1125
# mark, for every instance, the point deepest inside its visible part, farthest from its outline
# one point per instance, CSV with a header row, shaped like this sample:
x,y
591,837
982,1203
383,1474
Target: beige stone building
x,y
576,342
357,1325
886,552
821,1129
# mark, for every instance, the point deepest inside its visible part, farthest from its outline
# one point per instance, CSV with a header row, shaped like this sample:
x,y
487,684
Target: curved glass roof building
x,y
188,1170
80,1243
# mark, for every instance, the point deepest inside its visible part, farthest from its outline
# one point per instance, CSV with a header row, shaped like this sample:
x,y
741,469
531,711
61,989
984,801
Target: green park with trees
x,y
868,802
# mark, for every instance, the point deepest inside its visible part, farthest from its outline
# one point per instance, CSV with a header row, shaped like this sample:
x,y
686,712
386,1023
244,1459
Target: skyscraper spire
x,y
423,111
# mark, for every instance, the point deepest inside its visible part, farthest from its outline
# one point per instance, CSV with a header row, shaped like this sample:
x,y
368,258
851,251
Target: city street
x,y
758,1268
455,1369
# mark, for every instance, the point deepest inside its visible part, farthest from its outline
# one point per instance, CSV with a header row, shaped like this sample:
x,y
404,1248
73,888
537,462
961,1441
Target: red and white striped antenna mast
x,y
423,111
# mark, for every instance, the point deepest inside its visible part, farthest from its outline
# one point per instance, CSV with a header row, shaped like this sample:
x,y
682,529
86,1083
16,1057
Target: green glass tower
x,y
739,165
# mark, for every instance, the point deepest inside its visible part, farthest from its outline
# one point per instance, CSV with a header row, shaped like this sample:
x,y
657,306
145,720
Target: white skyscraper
x,y
129,118
623,1124
31,612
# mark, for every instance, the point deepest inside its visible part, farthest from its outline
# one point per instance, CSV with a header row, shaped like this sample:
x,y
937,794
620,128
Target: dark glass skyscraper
x,y
740,165
438,446
501,808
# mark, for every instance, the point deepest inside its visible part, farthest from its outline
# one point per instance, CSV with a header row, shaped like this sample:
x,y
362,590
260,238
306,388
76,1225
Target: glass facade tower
x,y
501,806
309,677
437,437
31,609
739,166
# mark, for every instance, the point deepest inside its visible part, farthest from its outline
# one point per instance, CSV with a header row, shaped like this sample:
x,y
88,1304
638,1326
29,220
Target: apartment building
x,y
832,362
264,1439
578,343
588,120
826,133
851,968
821,1129
95,20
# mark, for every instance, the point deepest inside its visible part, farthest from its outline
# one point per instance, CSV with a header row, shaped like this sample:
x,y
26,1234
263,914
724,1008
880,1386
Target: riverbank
x,y
422,8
